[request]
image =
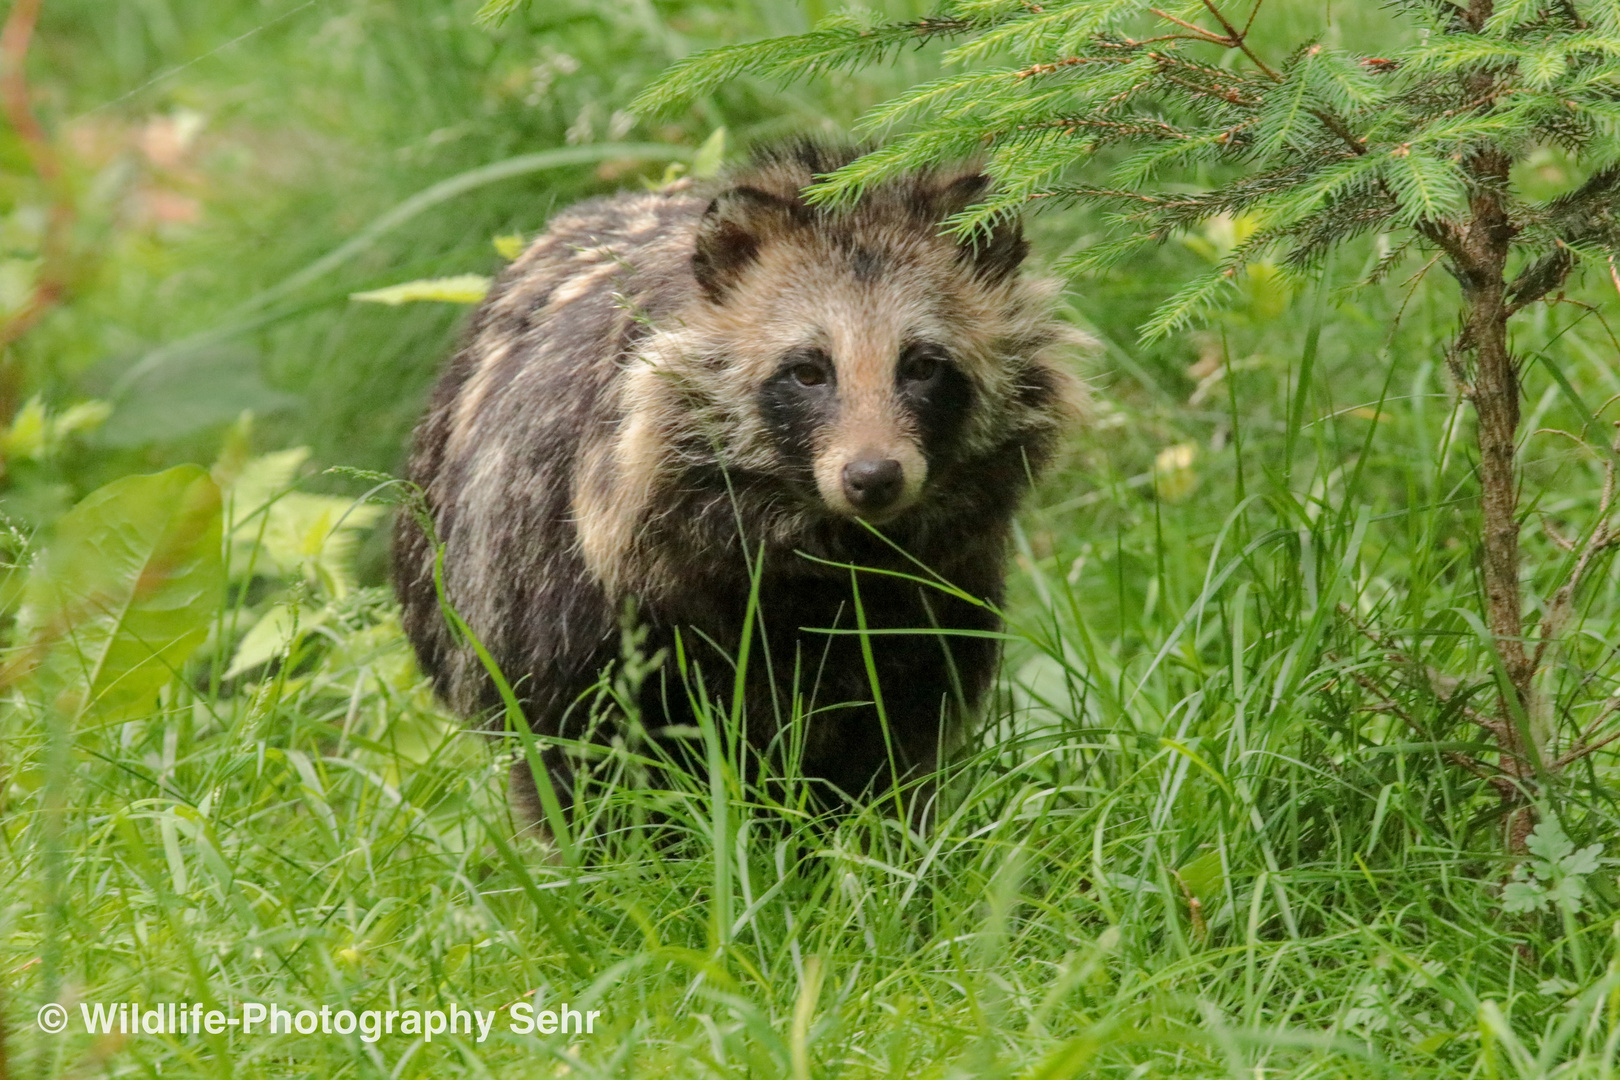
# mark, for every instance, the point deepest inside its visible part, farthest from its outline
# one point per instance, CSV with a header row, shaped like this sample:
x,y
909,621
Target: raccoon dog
x,y
674,398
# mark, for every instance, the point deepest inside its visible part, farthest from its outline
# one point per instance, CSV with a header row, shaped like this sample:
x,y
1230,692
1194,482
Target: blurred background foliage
x,y
1202,781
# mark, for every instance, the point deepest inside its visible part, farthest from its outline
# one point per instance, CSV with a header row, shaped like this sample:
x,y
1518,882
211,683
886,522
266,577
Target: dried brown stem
x,y
1195,909
1597,313
14,41
1442,686
1602,537
1137,42
1583,749
1386,703
1505,788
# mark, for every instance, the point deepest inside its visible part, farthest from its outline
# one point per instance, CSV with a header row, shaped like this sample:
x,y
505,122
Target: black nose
x,y
873,483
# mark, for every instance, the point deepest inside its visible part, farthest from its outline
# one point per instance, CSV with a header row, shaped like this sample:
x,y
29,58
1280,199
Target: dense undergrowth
x,y
1228,817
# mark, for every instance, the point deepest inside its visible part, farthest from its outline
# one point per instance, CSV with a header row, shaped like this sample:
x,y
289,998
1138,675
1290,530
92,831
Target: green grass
x,y
1209,828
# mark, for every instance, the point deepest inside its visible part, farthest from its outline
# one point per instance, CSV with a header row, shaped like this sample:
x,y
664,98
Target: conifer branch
x,y
1196,32
1239,38
1420,142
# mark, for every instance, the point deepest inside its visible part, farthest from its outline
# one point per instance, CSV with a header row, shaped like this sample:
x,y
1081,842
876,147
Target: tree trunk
x,y
1494,391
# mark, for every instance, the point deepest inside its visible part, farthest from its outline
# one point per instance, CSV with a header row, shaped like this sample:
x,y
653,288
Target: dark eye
x,y
808,374
808,367
919,365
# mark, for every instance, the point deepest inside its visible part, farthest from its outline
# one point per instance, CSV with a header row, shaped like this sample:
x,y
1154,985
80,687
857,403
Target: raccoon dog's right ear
x,y
731,232
996,255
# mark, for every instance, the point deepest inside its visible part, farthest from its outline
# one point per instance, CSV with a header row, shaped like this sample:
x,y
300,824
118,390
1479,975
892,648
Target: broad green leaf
x,y
1548,842
269,638
293,533
1205,875
124,592
1567,893
461,289
198,390
711,155
25,437
34,433
1520,896
509,246
255,486
1584,861
317,536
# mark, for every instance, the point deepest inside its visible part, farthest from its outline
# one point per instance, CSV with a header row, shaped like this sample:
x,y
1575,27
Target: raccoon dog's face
x,y
862,427
866,341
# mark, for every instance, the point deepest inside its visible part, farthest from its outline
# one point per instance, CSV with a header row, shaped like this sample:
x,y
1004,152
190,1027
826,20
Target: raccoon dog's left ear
x,y
996,256
730,234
